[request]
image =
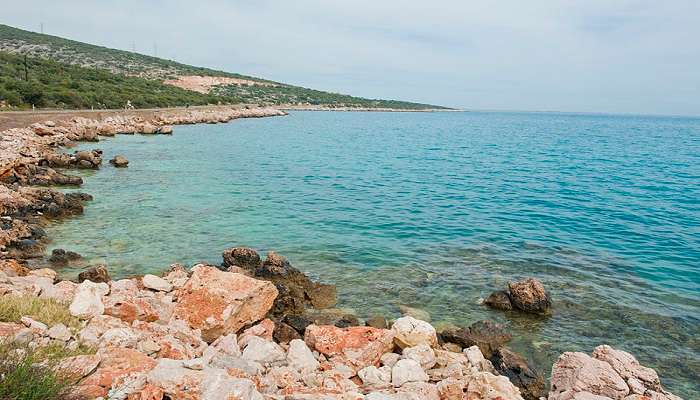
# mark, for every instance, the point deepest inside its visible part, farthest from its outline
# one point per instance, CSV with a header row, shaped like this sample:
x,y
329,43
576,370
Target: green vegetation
x,y
48,311
48,84
26,374
64,73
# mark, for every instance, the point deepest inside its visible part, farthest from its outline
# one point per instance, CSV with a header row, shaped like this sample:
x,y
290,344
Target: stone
x,y
156,283
60,257
119,337
95,274
529,295
300,358
628,367
220,302
378,322
242,257
116,363
375,377
78,367
419,390
284,376
488,335
119,161
262,351
487,386
577,372
476,359
422,353
356,347
34,325
59,332
407,370
263,329
63,291
412,332
416,313
43,273
284,333
166,130
499,300
13,268
87,302
520,372
389,359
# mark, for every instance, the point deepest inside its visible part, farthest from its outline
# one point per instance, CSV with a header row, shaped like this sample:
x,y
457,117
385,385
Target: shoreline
x,y
31,158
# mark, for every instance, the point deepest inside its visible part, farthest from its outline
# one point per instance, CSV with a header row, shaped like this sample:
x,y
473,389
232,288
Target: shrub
x,y
48,311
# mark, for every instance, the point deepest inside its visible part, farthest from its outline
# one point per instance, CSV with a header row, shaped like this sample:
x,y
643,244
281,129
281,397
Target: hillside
x,y
75,74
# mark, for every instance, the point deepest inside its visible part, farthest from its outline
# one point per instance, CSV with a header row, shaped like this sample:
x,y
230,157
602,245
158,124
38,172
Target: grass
x,y
48,311
26,374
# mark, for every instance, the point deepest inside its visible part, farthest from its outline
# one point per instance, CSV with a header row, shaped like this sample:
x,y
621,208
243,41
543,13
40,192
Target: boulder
x,y
355,347
375,377
412,332
530,296
523,375
156,283
300,358
87,302
378,322
242,257
97,274
499,300
284,333
119,161
422,353
78,367
60,257
59,332
262,351
116,364
628,368
220,302
577,372
487,335
407,370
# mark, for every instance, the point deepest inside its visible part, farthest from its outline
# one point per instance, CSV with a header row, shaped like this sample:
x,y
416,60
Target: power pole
x,y
155,50
42,27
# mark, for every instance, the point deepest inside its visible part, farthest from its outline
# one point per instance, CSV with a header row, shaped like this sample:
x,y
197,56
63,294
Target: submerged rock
x,y
97,273
62,257
500,300
487,335
119,161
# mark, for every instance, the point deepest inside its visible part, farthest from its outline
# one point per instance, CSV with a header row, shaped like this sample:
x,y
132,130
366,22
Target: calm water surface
x,y
433,211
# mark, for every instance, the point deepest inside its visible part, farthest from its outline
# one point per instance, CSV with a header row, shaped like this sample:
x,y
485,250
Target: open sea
x,y
432,211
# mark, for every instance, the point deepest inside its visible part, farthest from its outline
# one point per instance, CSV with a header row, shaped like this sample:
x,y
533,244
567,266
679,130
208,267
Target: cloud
x,y
626,56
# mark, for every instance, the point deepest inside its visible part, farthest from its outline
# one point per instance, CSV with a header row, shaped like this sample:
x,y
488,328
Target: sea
x,y
431,211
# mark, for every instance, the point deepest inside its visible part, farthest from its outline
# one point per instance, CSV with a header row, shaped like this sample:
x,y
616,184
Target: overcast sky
x,y
631,56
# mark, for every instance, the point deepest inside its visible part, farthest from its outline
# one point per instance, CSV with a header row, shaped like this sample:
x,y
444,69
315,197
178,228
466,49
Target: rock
x,y
78,367
62,257
389,359
416,313
87,302
375,377
95,274
284,333
59,332
484,385
220,302
378,322
263,329
355,347
412,332
520,372
242,257
116,364
476,359
577,372
300,358
156,283
407,370
489,336
166,130
13,268
119,161
422,353
63,291
262,351
499,300
530,296
628,368
119,337
34,325
419,390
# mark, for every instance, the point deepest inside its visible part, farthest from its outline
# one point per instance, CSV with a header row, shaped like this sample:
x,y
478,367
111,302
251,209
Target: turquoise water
x,y
434,211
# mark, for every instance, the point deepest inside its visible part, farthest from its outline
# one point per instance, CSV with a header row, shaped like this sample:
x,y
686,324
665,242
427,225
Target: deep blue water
x,y
434,211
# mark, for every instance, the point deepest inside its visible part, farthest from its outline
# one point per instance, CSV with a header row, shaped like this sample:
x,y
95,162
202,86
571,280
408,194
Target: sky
x,y
611,56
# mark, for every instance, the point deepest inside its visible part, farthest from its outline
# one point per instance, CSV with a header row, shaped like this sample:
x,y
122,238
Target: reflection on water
x,y
433,211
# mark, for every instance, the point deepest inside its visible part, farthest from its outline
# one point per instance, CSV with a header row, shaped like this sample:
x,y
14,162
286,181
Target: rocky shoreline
x,y
249,328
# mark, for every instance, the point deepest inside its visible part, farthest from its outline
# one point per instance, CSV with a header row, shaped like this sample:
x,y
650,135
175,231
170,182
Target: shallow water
x,y
433,210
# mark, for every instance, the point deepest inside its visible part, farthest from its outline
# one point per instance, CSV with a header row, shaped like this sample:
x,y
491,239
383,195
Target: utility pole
x,y
41,27
155,50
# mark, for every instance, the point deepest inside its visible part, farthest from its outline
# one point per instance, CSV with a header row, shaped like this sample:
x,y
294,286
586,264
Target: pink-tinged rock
x,y
64,291
43,273
9,329
78,367
577,372
115,364
129,309
420,390
148,392
93,331
486,386
219,302
263,330
13,268
356,347
628,367
175,340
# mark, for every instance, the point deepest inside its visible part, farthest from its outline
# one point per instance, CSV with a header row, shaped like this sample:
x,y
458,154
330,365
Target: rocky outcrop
x,y
97,273
119,161
487,335
610,373
520,372
528,295
296,290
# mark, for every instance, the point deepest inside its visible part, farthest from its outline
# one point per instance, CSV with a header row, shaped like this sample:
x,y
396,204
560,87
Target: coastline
x,y
32,158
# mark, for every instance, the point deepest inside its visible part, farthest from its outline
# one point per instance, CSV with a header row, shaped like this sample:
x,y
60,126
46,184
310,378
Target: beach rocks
x,y
218,302
487,335
520,372
407,370
119,161
60,257
97,273
528,295
411,332
355,347
156,283
87,302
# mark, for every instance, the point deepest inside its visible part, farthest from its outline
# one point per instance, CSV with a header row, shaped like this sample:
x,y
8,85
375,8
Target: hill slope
x,y
83,67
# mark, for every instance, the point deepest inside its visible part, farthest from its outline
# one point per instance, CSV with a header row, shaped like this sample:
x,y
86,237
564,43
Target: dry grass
x,y
48,311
